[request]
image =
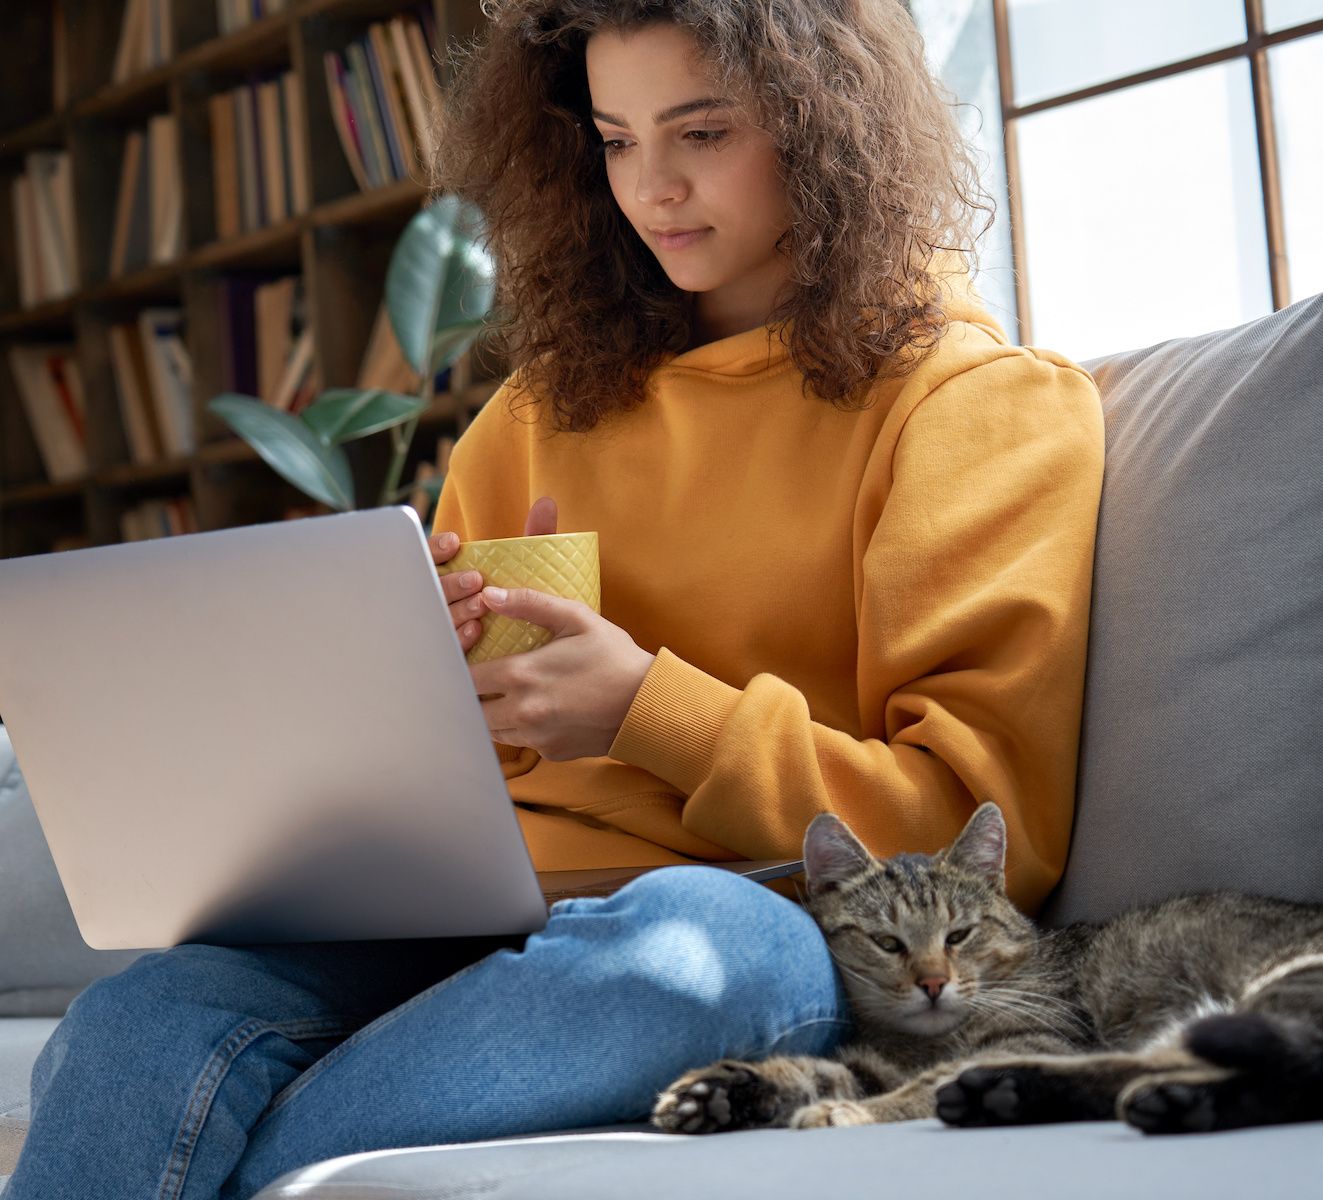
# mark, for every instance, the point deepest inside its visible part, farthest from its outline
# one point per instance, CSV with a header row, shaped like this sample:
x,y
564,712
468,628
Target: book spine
x,y
365,107
399,167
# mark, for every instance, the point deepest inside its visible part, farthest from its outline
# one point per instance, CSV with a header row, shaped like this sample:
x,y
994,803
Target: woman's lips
x,y
678,241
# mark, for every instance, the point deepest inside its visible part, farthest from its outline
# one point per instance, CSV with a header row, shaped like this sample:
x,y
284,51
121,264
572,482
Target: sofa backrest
x,y
1202,752
44,962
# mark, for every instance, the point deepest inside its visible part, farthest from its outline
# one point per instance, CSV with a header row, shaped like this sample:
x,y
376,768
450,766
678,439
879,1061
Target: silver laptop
x,y
265,734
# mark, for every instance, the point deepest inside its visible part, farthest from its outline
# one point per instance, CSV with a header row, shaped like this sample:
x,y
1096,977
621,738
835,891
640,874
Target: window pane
x,y
1060,46
1282,14
1143,214
1296,70
961,46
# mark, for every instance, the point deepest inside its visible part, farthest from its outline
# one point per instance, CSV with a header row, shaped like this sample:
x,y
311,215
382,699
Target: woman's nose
x,y
659,182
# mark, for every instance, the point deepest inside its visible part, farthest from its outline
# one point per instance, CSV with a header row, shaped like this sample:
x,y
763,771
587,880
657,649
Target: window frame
x,y
1254,48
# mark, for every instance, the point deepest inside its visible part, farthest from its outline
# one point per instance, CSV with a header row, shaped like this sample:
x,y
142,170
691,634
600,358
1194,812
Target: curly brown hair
x,y
877,177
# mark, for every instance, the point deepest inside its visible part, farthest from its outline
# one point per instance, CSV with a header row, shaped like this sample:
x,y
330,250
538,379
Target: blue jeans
x,y
208,1071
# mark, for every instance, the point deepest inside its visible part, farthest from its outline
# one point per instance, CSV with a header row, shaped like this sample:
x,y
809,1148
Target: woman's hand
x,y
462,590
568,698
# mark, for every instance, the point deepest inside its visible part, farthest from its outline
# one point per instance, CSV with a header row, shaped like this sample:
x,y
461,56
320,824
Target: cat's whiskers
x,y
1044,999
1064,1024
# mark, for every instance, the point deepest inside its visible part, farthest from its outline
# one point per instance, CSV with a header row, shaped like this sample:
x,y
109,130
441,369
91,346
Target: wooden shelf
x,y
340,247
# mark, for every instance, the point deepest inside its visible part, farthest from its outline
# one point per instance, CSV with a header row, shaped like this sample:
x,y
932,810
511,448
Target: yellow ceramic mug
x,y
563,564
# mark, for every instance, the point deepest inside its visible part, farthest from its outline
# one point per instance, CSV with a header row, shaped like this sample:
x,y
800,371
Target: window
x,y
1162,158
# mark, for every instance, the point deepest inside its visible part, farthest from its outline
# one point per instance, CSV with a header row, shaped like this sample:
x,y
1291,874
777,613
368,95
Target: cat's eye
x,y
891,945
956,936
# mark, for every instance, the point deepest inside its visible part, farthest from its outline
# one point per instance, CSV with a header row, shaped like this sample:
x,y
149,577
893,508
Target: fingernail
x,y
494,594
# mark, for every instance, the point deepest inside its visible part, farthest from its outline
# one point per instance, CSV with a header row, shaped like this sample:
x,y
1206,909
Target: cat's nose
x,y
933,985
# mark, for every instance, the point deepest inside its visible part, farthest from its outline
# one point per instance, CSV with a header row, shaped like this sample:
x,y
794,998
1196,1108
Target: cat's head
x,y
917,937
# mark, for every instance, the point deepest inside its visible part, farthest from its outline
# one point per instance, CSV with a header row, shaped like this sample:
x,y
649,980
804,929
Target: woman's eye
x,y
956,936
706,137
891,945
614,147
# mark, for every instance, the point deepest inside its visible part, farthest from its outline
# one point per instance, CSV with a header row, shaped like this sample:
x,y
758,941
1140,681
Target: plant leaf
x,y
290,448
440,274
432,487
449,343
343,414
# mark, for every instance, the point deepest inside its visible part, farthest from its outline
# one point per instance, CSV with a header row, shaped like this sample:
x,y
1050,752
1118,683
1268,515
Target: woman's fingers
x,y
541,517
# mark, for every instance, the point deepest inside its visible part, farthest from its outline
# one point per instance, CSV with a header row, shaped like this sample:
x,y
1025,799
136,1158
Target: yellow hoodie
x,y
881,614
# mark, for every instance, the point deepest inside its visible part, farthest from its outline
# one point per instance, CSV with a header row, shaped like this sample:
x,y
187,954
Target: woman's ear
x,y
832,854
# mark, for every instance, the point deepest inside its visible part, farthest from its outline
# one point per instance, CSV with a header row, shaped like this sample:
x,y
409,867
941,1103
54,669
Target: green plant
x,y
438,293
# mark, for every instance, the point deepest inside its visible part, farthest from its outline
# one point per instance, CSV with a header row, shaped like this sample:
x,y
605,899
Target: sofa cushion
x,y
44,962
21,1041
1201,760
1082,1160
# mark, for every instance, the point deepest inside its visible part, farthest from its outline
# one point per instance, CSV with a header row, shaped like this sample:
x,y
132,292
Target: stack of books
x,y
158,518
384,91
44,228
154,383
149,213
235,14
51,388
146,38
266,343
259,165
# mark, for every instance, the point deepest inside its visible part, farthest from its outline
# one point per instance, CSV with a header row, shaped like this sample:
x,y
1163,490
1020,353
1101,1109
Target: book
x,y
273,313
166,196
250,179
386,104
297,385
342,113
170,377
372,136
62,450
133,389
62,367
417,100
128,54
224,165
62,182
31,289
383,364
131,240
424,64
406,139
300,195
48,181
269,145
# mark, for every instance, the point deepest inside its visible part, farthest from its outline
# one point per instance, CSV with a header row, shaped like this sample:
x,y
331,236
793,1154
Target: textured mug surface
x,y
563,564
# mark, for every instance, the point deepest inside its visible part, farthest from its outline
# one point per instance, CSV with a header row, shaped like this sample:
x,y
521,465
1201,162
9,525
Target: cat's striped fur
x,y
1200,1013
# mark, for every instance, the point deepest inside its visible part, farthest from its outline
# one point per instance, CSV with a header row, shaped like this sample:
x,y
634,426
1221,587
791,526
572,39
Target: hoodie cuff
x,y
671,728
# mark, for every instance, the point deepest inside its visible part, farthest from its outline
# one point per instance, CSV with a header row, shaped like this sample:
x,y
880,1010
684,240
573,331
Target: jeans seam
x,y
209,1080
387,1018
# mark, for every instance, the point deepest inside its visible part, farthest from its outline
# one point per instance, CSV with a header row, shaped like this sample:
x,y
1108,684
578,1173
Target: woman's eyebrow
x,y
674,113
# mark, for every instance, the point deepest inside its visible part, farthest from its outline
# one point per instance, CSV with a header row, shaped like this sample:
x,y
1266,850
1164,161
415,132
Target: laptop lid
x,y
261,734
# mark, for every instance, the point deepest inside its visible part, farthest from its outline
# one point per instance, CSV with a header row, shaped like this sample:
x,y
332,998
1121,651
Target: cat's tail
x,y
1289,1048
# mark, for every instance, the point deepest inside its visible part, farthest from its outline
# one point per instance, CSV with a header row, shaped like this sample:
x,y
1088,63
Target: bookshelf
x,y
58,94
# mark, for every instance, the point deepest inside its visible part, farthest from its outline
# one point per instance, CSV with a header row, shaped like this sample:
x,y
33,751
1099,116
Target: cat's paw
x,y
1157,1105
724,1096
831,1112
983,1096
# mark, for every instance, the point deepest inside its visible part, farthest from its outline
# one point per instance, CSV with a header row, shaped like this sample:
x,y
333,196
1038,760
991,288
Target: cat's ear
x,y
832,853
981,847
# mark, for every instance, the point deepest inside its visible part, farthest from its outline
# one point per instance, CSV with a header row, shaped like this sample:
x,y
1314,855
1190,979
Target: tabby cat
x,y
1199,1013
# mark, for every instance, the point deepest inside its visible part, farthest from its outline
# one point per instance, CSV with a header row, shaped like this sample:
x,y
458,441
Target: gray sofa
x,y
1201,767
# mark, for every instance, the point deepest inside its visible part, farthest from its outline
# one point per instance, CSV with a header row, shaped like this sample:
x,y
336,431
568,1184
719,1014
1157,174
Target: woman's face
x,y
697,180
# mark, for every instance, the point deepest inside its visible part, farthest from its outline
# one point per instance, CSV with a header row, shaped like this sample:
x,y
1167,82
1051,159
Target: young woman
x,y
846,532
